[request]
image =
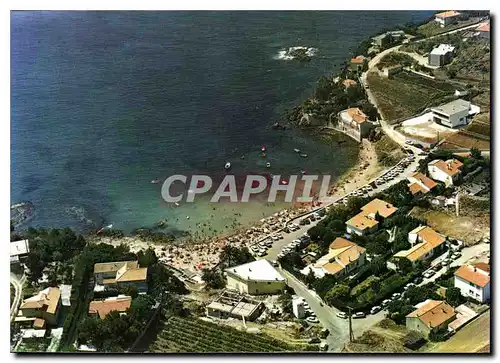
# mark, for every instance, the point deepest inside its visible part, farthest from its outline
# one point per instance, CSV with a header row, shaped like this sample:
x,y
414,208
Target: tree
x,y
475,153
141,307
310,278
213,278
378,266
285,300
338,292
404,265
453,296
147,258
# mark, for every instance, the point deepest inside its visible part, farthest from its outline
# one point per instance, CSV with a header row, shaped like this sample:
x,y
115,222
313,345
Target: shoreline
x,y
193,255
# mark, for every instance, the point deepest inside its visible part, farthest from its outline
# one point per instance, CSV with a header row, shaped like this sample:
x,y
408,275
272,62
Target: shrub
x,y
413,340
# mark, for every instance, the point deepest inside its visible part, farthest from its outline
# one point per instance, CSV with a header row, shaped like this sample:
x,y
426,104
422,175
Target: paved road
x,y
18,286
468,253
327,315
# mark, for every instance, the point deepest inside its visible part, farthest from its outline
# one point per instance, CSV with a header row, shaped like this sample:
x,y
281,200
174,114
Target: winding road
x,y
18,286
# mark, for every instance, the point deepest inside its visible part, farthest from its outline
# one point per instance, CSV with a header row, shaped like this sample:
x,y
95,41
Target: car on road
x,y
274,263
312,319
342,315
429,273
375,309
359,315
386,302
408,285
396,296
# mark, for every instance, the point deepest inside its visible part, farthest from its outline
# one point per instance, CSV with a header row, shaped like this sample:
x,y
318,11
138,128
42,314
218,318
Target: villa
x,y
367,220
447,171
447,17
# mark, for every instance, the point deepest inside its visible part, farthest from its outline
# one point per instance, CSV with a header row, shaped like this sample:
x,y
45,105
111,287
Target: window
x,y
471,292
269,283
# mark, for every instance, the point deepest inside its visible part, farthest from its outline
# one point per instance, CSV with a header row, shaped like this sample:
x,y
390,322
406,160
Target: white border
x,y
185,5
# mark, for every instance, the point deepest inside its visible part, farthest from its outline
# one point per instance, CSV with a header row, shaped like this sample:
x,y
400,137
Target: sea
x,y
103,103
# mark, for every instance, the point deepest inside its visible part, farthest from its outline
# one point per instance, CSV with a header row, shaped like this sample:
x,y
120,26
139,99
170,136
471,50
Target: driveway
x,y
327,315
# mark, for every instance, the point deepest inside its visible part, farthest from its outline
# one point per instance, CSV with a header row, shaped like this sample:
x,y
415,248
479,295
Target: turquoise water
x,y
104,102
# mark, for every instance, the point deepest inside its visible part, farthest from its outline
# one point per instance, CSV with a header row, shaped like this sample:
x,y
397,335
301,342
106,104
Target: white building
x,y
483,30
299,309
65,295
474,281
441,55
447,171
19,250
447,17
255,278
455,113
355,123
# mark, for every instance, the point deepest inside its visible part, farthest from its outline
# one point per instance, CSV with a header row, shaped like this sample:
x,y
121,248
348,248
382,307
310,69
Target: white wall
x,y
476,292
437,174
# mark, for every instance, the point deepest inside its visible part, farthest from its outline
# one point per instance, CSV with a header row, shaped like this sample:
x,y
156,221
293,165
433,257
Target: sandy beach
x,y
194,255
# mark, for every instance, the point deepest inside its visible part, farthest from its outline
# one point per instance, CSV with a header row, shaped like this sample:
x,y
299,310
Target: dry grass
x,y
474,337
464,227
388,151
433,28
385,336
463,140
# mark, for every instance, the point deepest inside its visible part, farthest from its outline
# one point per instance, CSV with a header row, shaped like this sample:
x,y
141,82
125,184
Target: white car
x,y
342,315
312,319
375,309
386,302
396,296
429,273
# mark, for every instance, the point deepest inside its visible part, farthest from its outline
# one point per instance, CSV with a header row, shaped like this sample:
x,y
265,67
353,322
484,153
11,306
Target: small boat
x,y
268,165
303,171
177,204
284,182
242,157
155,181
227,166
264,148
160,223
296,150
302,155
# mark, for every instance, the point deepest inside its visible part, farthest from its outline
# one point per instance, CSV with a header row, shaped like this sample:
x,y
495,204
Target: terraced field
x,y
191,335
407,94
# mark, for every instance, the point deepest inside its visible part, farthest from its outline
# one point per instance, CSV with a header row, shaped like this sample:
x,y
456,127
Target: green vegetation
x,y
229,257
394,59
116,333
330,98
398,309
160,282
407,94
193,335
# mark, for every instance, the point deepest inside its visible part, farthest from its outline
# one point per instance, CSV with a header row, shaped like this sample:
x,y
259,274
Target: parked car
x,y
342,315
386,302
447,261
456,255
302,222
314,340
396,296
410,284
307,221
375,309
359,315
274,263
418,280
312,319
429,273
